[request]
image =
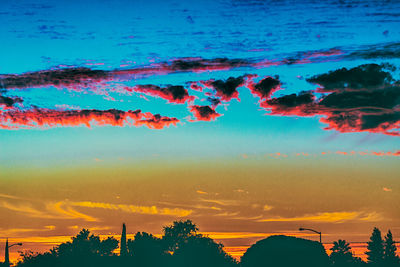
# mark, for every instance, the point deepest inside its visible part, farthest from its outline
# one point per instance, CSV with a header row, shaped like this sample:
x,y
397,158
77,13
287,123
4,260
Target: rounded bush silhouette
x,y
285,251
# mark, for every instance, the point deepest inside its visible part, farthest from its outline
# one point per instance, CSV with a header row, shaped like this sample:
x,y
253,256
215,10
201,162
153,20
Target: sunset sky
x,y
250,118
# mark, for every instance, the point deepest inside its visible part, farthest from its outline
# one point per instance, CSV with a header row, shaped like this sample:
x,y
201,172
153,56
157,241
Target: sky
x,y
251,118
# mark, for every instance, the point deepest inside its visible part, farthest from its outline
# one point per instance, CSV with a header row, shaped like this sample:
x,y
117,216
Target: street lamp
x,y
312,230
6,255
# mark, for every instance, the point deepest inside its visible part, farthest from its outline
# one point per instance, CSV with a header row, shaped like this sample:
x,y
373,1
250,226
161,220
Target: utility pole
x,y
7,253
312,230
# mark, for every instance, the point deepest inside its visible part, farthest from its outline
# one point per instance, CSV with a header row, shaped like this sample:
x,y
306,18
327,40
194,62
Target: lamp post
x,y
312,230
7,255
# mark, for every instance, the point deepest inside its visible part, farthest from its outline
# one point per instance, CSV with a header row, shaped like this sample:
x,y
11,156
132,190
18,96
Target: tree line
x,y
181,245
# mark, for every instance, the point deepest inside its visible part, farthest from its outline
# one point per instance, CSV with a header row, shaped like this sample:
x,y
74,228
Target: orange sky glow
x,y
248,199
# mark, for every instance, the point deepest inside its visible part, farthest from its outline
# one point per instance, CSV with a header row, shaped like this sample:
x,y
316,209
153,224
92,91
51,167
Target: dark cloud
x,y
356,121
214,101
172,93
56,77
80,76
9,101
157,121
385,50
226,89
47,118
300,104
358,78
184,65
200,64
69,77
383,122
204,113
305,57
371,105
382,99
265,87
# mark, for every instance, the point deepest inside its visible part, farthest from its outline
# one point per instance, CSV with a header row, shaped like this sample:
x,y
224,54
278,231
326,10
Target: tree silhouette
x,y
124,250
34,259
181,246
85,249
375,248
189,248
144,243
200,251
147,250
390,257
285,251
177,233
85,244
341,254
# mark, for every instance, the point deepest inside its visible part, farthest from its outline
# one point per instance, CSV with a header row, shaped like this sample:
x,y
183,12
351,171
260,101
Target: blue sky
x,y
135,51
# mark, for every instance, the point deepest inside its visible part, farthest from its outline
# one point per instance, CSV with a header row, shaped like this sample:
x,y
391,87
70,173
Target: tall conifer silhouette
x,y
390,256
375,248
124,250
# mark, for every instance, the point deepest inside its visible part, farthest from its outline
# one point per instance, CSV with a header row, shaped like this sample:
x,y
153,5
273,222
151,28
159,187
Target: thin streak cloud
x,y
152,210
331,217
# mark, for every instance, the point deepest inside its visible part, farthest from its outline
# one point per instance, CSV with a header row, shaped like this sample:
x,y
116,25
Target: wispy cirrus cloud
x,y
152,210
221,202
9,196
66,209
329,217
193,206
245,235
13,232
27,210
51,210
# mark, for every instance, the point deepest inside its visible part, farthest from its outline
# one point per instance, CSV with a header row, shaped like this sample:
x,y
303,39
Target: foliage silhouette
x,y
85,249
375,248
177,233
389,253
341,253
147,250
182,246
85,244
342,256
34,259
189,248
285,251
202,251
